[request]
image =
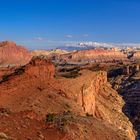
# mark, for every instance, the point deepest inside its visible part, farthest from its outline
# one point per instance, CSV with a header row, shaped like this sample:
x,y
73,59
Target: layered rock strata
x,y
36,87
12,54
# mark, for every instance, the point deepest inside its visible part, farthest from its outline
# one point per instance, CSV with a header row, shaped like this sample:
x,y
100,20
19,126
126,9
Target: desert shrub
x,y
61,123
5,78
63,119
19,71
59,120
50,117
5,111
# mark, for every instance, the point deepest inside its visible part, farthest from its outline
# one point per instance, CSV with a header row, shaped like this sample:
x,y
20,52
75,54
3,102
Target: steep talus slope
x,y
26,125
12,54
97,108
34,89
97,98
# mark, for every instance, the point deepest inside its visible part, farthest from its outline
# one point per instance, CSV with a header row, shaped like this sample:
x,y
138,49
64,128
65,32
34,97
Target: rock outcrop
x,y
95,55
12,54
130,88
91,55
49,53
40,68
36,87
97,98
136,55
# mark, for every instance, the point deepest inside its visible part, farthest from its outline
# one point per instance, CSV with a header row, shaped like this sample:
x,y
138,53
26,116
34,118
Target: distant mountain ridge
x,y
91,44
48,52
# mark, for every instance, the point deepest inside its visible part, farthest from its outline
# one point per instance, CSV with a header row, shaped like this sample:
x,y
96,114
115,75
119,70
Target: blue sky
x,y
50,23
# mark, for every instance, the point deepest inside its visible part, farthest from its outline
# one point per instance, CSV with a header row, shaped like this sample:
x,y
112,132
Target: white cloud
x,y
69,36
40,39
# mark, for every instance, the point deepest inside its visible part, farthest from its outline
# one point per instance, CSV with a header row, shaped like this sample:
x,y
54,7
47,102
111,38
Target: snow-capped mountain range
x,y
90,44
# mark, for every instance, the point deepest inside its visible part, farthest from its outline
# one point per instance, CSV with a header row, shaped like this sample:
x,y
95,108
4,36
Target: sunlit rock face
x,y
95,55
12,54
88,96
90,55
136,55
49,52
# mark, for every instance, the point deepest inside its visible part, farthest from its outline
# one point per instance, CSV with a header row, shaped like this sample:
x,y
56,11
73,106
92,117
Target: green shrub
x,y
19,71
5,78
50,117
59,120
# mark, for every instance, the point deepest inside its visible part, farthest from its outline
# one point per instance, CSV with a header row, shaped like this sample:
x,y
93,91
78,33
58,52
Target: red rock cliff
x,y
95,96
87,95
12,54
40,68
96,55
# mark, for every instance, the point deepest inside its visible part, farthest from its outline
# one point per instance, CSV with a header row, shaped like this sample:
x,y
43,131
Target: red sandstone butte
x,y
95,55
12,54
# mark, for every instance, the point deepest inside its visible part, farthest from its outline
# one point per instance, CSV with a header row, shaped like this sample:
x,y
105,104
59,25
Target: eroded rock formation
x,y
48,52
95,55
91,55
136,55
12,54
36,87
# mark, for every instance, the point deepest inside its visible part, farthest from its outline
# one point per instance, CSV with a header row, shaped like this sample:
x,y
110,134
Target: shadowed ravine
x,y
131,109
128,86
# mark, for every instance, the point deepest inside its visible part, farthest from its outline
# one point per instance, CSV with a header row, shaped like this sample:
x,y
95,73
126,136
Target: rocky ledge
x,y
88,96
